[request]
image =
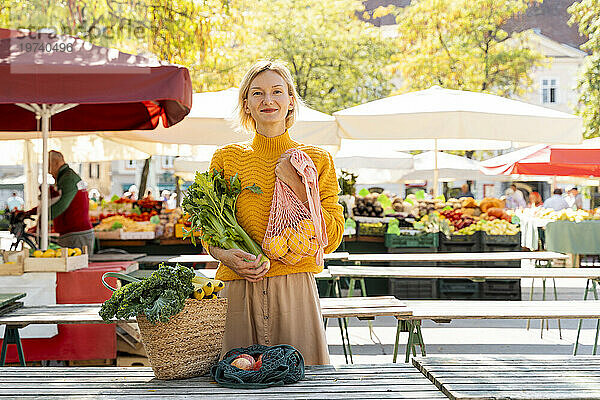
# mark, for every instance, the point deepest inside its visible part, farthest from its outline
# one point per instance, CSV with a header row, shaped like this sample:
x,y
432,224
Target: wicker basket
x,y
190,343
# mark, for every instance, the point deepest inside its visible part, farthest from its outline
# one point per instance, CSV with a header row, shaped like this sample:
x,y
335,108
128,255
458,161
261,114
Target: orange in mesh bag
x,y
294,232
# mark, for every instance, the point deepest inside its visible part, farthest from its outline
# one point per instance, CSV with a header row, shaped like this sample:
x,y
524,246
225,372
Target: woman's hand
x,y
286,172
244,264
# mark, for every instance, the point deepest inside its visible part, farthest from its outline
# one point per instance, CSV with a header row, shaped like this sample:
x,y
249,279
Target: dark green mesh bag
x,y
281,364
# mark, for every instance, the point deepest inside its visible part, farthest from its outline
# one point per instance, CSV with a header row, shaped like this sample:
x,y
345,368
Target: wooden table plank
x,y
467,309
364,381
491,256
559,377
460,272
7,298
192,258
109,257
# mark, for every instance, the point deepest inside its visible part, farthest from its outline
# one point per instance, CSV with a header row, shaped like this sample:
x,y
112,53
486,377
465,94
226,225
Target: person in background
x,y
556,201
70,213
535,199
574,199
518,198
172,202
149,195
14,202
465,191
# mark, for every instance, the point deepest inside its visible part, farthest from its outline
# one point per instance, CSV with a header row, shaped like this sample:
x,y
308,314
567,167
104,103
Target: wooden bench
x,y
444,311
340,308
513,377
389,381
478,275
358,259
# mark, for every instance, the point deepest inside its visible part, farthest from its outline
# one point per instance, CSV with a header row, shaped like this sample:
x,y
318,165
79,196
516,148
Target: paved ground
x,y
473,336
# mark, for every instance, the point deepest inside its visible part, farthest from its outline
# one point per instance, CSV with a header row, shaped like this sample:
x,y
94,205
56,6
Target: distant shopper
x,y
465,191
14,202
535,199
556,201
574,199
518,197
70,213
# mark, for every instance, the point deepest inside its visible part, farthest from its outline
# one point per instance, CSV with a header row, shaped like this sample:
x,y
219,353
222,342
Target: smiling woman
x,y
276,304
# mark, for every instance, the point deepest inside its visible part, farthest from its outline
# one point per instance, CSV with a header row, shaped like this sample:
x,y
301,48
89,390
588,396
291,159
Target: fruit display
x,y
292,243
494,227
457,218
121,222
205,288
57,253
368,206
568,214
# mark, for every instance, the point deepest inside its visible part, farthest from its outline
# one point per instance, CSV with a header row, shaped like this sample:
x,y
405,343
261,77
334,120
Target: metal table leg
x,y
11,336
585,295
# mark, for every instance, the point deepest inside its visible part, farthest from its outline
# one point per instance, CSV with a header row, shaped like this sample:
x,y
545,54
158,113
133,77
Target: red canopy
x,y
560,160
113,90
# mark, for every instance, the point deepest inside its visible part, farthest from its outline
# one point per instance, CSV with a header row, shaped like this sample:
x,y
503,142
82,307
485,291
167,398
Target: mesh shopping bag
x,y
293,231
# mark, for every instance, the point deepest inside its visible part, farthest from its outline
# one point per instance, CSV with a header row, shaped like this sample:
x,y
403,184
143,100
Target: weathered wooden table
x,y
476,274
444,311
383,381
340,308
358,259
514,377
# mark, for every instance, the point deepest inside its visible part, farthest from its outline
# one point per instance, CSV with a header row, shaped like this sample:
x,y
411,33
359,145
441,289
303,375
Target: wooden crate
x,y
61,264
13,263
124,348
100,362
132,361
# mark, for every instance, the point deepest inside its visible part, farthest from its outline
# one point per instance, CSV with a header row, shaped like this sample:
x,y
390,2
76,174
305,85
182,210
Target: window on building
x,y
549,91
130,164
167,162
94,170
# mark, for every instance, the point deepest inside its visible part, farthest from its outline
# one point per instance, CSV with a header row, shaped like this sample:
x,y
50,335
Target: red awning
x,y
577,160
113,90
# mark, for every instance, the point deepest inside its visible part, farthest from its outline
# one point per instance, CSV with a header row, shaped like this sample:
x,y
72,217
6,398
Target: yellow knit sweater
x,y
254,162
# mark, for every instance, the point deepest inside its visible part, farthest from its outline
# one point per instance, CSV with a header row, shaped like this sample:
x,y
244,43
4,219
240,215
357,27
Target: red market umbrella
x,y
558,160
79,87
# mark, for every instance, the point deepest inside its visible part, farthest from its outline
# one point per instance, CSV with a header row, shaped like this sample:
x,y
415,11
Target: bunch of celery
x,y
210,201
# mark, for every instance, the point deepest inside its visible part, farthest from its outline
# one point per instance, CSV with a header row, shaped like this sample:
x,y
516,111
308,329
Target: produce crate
x,y
120,234
460,244
58,264
425,240
493,243
419,243
13,263
365,230
501,289
458,289
409,288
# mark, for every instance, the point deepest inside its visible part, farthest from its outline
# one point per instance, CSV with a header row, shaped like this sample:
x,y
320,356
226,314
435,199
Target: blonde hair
x,y
244,121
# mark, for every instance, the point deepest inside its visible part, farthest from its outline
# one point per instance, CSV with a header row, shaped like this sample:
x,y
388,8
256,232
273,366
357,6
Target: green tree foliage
x,y
460,44
337,60
200,35
587,14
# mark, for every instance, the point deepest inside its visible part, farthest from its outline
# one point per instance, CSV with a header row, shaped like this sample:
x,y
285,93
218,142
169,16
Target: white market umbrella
x,y
210,122
449,166
438,113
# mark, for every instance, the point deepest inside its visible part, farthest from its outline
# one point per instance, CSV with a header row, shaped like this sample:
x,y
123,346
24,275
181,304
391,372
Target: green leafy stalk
x,y
211,203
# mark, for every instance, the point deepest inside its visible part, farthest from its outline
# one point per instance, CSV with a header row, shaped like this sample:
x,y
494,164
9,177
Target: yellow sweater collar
x,y
272,147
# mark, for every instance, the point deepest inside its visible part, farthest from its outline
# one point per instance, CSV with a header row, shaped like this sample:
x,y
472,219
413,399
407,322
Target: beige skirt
x,y
278,310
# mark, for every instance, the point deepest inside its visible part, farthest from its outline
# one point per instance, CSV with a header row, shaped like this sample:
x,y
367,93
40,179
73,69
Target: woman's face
x,y
268,99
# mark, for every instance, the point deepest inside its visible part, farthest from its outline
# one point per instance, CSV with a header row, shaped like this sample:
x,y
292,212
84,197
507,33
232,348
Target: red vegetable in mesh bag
x,y
293,231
